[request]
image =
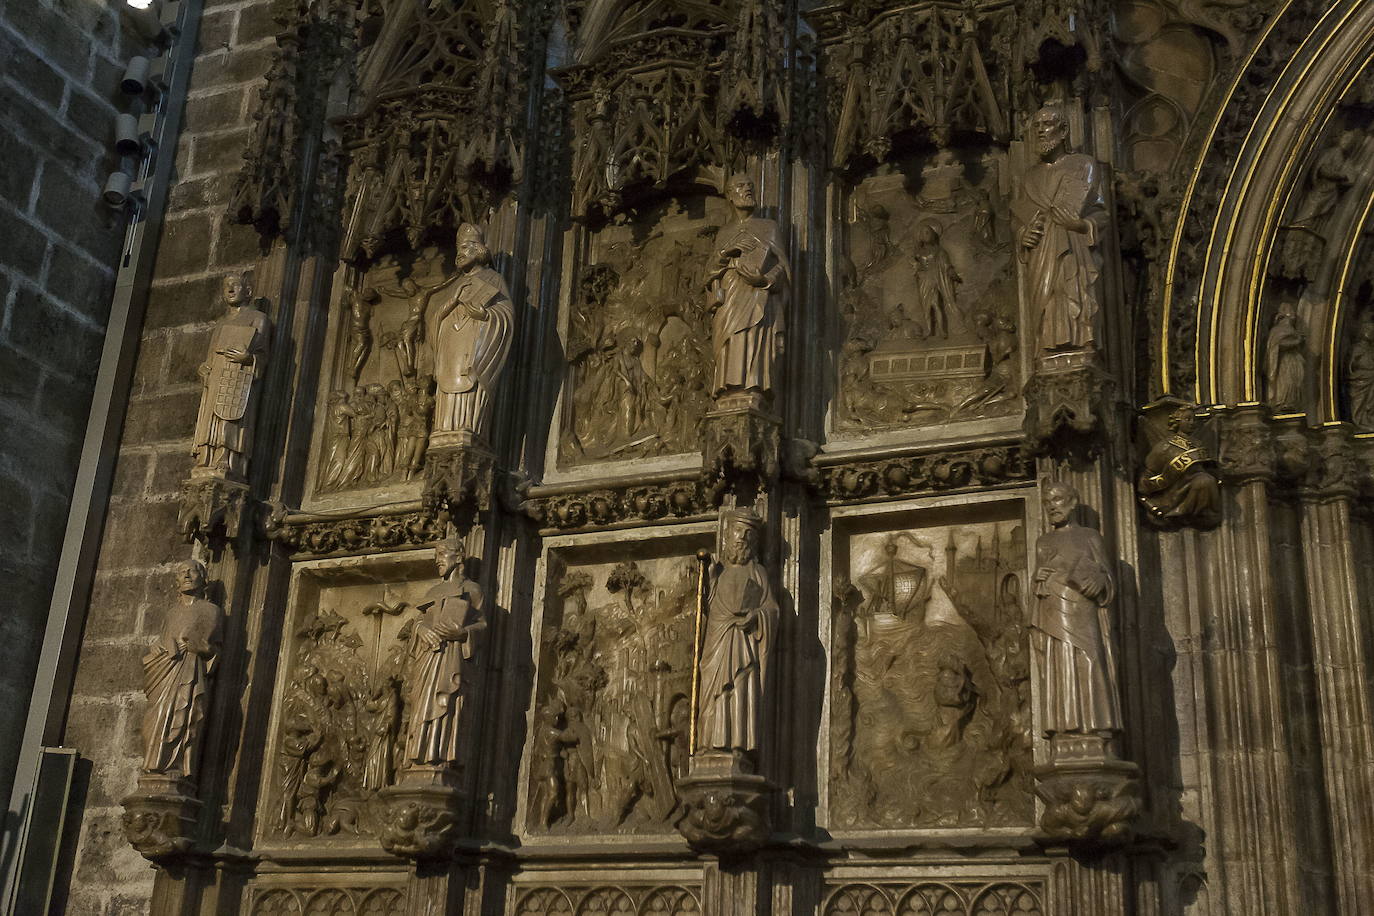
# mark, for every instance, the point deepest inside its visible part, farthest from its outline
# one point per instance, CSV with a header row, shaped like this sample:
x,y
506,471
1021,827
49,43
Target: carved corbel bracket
x,y
160,817
422,814
1092,799
458,479
725,810
1068,398
1178,485
211,507
742,451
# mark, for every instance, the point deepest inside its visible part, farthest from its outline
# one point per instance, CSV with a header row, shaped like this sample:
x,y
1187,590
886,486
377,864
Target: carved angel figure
x,y
741,620
1061,214
470,324
1178,486
237,358
442,649
1074,588
176,676
747,290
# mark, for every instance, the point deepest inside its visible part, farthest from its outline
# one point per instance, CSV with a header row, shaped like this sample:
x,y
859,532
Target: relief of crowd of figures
x,y
611,727
930,685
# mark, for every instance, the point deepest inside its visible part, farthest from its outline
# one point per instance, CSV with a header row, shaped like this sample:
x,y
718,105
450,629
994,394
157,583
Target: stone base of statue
x,y
160,817
1067,400
724,806
742,444
459,470
212,505
422,813
1091,797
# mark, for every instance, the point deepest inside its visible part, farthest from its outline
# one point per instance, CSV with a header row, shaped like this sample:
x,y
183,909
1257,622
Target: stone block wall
x,y
60,63
140,544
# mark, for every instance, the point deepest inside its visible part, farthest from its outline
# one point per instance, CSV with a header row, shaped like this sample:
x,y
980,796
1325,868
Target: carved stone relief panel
x,y
988,897
609,735
637,337
374,420
349,900
621,899
928,304
340,709
930,716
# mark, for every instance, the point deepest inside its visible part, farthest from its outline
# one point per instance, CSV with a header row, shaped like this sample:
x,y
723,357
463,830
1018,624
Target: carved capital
x,y
1248,449
211,506
421,819
160,817
1067,402
742,451
1091,798
724,813
1338,472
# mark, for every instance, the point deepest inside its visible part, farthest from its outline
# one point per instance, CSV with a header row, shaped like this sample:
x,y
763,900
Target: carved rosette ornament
x,y
1090,793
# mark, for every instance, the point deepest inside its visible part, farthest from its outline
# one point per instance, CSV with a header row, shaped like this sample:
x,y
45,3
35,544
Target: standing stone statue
x,y
1360,377
442,650
1285,364
176,677
741,619
238,356
1072,634
1062,216
471,321
747,291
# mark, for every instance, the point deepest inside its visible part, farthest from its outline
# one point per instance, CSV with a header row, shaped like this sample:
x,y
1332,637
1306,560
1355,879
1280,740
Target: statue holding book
x,y
747,295
1061,217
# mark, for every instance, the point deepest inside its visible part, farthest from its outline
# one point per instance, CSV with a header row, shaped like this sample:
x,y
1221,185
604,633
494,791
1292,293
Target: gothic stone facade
x,y
749,457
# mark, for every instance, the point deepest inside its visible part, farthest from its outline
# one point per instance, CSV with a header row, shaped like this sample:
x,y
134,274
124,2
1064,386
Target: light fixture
x,y
135,78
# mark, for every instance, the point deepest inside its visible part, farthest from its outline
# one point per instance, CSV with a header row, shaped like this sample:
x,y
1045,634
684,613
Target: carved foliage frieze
x,y
930,685
612,713
936,472
627,503
316,535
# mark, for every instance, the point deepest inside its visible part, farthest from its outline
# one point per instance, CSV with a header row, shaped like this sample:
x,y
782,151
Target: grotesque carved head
x,y
1051,128
472,249
191,577
237,288
1060,499
741,191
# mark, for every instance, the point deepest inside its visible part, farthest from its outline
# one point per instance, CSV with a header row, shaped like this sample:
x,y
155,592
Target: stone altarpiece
x,y
562,172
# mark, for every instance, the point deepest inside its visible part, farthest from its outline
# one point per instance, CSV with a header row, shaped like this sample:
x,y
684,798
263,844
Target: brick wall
x,y
60,62
133,577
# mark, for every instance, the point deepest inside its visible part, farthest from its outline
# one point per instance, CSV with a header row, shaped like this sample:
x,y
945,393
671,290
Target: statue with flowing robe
x,y
1062,216
442,650
229,375
176,677
741,620
470,324
747,290
1070,624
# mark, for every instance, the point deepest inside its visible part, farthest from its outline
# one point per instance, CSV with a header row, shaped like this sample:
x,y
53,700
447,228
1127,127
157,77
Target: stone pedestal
x,y
459,470
725,806
423,812
1091,797
1067,400
742,446
160,817
212,505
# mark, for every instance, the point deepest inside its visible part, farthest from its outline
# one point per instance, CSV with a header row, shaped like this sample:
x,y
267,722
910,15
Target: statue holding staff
x,y
741,620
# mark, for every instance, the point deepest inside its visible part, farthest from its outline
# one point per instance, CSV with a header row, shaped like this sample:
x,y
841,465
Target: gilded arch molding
x,y
1281,99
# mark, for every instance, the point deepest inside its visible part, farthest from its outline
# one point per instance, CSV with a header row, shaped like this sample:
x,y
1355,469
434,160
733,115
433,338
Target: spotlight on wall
x,y
135,78
120,191
127,139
